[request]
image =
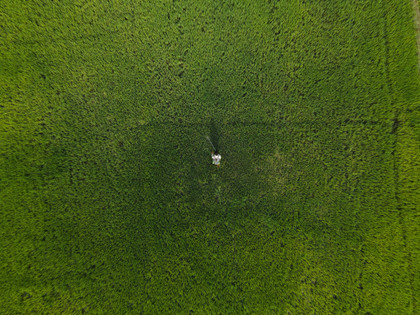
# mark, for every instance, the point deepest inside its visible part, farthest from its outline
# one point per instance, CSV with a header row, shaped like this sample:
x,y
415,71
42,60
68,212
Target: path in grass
x,y
417,25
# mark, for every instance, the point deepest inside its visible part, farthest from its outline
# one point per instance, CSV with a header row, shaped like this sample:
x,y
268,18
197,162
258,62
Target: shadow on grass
x,y
214,134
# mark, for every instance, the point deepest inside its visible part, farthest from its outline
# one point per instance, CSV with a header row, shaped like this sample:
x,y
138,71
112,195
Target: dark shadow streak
x,y
214,134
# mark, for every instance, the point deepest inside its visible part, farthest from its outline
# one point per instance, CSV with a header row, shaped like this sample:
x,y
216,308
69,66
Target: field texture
x,y
109,202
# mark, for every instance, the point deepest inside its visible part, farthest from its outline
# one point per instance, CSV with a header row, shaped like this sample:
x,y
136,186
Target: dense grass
x,y
109,202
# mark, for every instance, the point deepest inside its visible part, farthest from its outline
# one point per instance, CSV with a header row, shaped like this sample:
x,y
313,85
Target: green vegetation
x,y
109,202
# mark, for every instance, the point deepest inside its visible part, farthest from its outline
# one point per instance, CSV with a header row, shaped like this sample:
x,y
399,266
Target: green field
x,y
109,202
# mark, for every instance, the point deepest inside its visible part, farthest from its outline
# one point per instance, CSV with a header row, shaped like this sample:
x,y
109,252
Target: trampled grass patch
x,y
110,203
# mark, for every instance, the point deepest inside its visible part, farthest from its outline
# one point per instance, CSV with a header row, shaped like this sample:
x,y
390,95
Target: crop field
x,y
109,202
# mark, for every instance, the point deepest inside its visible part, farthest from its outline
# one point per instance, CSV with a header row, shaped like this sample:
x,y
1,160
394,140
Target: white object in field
x,y
216,158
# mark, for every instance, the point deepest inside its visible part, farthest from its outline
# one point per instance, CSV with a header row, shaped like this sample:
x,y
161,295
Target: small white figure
x,y
216,158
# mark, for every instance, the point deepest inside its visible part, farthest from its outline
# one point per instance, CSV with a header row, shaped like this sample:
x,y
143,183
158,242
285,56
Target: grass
x,y
109,202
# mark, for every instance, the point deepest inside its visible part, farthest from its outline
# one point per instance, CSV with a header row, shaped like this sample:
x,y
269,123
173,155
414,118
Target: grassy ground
x,y
109,202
